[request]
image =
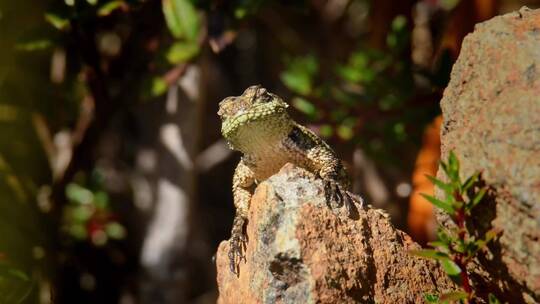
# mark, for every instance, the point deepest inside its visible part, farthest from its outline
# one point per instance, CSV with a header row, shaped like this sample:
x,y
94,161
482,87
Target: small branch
x,y
172,76
44,135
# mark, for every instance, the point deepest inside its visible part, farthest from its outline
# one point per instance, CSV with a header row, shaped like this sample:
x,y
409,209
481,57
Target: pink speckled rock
x,y
491,111
299,251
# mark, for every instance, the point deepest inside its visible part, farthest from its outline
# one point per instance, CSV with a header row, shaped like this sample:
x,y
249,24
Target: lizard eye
x,y
264,96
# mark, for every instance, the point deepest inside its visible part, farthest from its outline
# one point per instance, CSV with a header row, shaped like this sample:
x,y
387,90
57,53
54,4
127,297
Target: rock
x,y
491,111
299,251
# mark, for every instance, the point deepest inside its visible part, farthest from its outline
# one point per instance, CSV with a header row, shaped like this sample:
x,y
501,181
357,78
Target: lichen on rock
x,y
301,251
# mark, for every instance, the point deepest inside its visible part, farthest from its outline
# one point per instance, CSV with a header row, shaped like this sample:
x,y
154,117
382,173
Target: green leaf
x,y
345,132
359,60
456,204
299,74
445,206
115,231
471,249
439,244
400,132
491,234
470,181
430,254
477,198
109,7
488,237
13,289
448,4
355,75
493,299
158,87
357,69
444,236
459,246
445,168
57,21
299,83
8,271
454,296
453,161
15,285
78,194
398,37
78,231
182,19
326,130
447,188
16,273
431,298
240,12
305,106
399,23
450,267
81,214
34,45
453,166
183,51
101,200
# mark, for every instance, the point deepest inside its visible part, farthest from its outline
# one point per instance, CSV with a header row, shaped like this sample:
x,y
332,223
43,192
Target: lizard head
x,y
250,111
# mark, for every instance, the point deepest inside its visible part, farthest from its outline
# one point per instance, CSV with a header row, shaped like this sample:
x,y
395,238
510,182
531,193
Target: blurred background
x,y
114,180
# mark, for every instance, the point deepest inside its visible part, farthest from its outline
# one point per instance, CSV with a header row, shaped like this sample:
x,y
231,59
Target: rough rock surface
x,y
299,251
491,111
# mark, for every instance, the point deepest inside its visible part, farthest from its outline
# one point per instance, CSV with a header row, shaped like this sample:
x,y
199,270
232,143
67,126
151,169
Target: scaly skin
x,y
257,124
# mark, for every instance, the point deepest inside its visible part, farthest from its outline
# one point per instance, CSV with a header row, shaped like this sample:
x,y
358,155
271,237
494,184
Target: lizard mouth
x,y
244,118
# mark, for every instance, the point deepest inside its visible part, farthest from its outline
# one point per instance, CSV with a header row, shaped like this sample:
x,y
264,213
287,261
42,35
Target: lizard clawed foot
x,y
336,196
237,244
333,194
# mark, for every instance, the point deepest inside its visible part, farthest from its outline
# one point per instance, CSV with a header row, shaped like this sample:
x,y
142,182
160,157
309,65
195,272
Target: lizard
x,y
258,125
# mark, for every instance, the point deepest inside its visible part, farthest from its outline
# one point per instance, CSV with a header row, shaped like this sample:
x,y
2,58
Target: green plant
x,y
456,246
355,98
15,285
89,214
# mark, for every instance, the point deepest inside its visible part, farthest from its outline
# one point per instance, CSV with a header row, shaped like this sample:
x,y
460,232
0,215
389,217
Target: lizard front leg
x,y
243,179
336,181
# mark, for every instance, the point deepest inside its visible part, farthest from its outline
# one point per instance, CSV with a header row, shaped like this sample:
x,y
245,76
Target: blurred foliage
x,y
360,100
88,216
299,77
182,19
14,284
69,68
97,58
